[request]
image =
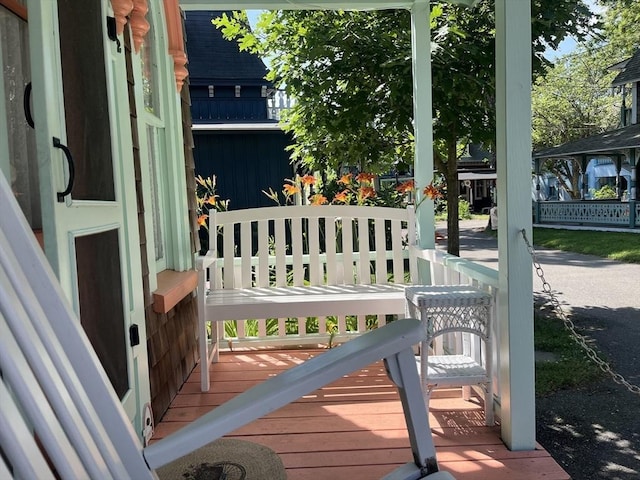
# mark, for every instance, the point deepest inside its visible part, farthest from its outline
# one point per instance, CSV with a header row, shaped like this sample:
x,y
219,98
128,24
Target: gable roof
x,y
630,73
611,142
216,61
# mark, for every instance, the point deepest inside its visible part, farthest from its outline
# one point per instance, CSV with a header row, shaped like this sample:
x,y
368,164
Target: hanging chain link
x,y
569,325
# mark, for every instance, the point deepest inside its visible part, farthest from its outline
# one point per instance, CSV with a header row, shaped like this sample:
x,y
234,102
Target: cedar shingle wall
x,y
172,342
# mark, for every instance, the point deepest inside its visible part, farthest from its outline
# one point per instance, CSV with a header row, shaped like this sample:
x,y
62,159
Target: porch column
x,y
422,120
515,300
536,170
632,188
618,169
584,185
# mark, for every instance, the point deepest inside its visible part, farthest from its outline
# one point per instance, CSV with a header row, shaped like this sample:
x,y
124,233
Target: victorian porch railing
x,y
611,213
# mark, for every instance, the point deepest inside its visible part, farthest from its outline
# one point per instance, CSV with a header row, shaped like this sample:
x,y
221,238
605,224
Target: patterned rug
x,y
226,459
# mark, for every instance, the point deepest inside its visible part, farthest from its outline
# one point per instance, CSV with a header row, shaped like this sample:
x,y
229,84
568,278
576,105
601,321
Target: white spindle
x,y
246,251
347,251
364,270
330,246
315,267
281,252
297,234
396,246
263,253
381,252
229,256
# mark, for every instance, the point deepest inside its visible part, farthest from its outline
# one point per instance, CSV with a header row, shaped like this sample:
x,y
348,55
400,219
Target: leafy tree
x,y
573,100
620,26
350,73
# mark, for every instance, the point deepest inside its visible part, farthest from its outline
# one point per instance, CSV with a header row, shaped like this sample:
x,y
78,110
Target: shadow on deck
x,y
354,428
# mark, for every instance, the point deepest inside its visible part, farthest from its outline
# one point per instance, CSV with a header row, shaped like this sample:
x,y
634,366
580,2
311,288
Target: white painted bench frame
x,y
53,386
283,279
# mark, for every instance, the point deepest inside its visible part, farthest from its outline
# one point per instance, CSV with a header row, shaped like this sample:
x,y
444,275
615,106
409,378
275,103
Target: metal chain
x,y
569,325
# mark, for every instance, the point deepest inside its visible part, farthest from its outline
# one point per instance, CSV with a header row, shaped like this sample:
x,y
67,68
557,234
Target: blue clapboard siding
x,y
245,163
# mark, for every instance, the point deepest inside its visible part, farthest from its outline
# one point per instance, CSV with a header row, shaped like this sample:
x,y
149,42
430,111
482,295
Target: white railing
x,y
277,103
586,212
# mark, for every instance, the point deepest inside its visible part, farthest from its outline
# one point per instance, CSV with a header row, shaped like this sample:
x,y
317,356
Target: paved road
x,y
593,432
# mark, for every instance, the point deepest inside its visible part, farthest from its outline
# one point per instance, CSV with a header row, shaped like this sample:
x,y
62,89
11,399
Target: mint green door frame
x,y
64,222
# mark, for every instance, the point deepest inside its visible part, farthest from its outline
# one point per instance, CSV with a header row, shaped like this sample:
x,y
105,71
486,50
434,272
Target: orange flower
x,y
318,199
432,192
345,179
308,180
212,200
289,189
408,186
366,192
342,196
202,220
365,177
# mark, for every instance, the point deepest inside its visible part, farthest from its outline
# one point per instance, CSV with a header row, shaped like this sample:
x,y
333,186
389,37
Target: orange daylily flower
x,y
212,200
202,220
289,189
366,192
365,177
432,192
318,199
308,180
345,179
408,186
342,196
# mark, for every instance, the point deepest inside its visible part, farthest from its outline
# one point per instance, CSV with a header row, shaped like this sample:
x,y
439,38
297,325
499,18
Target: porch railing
x,y
590,212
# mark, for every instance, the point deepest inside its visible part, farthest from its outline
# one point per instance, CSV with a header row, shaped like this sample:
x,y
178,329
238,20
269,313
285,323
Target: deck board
x,y
354,428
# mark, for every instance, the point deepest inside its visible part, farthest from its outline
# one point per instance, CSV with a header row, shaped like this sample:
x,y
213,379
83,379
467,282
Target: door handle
x,y
26,104
72,170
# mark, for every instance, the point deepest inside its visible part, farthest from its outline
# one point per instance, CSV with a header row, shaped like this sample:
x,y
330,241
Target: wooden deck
x,y
354,428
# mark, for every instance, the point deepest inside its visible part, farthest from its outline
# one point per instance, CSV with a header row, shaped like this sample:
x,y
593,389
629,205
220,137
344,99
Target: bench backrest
x,y
310,244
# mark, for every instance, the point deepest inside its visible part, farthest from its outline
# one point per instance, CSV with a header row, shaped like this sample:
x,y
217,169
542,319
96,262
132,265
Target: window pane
x,y
156,189
85,103
150,69
14,52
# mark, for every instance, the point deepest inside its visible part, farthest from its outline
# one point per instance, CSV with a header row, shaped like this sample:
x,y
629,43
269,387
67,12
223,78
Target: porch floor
x,y
354,428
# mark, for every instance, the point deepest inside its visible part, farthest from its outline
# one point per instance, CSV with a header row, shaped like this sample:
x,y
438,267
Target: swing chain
x,y
570,326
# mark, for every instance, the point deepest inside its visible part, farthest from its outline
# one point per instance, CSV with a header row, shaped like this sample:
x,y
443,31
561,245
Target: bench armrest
x,y
205,261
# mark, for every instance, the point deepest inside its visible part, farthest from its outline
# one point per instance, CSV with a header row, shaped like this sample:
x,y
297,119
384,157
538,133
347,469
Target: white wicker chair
x,y
464,313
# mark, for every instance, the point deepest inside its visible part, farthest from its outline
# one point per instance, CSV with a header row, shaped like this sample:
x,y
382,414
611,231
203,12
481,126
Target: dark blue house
x,y
236,134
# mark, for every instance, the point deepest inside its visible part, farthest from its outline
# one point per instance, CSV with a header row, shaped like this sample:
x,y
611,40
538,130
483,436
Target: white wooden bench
x,y
271,265
61,418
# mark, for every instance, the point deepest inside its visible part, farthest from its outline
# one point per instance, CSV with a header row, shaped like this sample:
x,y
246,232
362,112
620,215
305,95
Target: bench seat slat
x,y
305,301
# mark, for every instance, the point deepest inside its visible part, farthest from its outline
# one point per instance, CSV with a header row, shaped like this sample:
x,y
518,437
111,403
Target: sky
x,y
569,43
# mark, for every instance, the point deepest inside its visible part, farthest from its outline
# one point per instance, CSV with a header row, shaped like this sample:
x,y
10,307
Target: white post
x,y
515,300
422,120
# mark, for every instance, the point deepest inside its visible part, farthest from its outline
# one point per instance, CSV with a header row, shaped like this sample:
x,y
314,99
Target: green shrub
x,y
605,192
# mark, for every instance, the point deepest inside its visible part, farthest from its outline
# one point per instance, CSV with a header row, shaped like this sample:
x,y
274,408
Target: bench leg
x,y
402,370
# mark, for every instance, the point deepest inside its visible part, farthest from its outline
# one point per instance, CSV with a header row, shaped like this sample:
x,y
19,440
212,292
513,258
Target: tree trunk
x,y
453,193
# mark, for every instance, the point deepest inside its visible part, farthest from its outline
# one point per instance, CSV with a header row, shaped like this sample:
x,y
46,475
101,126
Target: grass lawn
x,y
571,367
624,247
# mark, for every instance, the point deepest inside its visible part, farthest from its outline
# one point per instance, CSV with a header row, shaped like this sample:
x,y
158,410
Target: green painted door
x,y
89,212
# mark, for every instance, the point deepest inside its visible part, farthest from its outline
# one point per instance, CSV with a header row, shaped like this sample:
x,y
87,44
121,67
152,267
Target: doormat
x,y
226,459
